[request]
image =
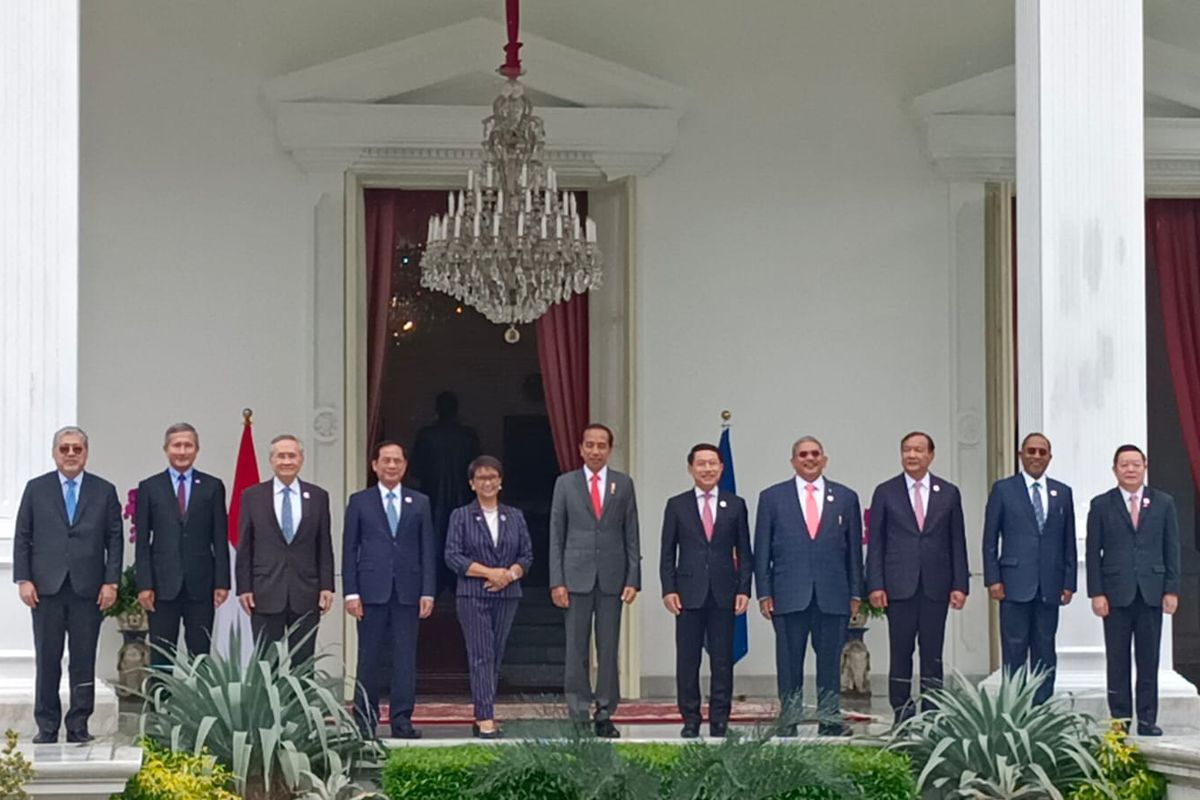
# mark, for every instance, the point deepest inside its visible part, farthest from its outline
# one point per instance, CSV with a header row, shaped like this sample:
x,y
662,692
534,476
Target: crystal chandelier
x,y
512,243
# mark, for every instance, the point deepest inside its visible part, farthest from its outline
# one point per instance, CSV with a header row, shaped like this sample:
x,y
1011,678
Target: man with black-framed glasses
x,y
67,563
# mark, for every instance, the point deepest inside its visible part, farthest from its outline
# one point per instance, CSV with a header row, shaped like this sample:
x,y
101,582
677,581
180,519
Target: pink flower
x,y
131,513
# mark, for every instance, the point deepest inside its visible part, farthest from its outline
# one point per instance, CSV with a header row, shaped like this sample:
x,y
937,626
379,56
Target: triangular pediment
x,y
456,65
1172,85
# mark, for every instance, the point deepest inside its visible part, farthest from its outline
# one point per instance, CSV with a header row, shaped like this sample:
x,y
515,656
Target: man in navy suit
x,y
705,567
182,550
389,575
1133,579
1029,560
808,567
67,563
916,566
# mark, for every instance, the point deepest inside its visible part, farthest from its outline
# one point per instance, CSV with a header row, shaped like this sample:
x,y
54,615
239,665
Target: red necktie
x,y
707,517
181,494
596,506
811,516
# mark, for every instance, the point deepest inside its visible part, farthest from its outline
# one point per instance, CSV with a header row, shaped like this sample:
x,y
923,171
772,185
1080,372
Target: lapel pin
x,y
407,499
612,488
1145,502
306,496
937,488
195,480
1054,492
722,504
828,498
839,520
477,518
503,518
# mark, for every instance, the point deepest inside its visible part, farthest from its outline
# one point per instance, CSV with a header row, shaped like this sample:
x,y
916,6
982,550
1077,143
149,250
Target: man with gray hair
x,y
285,553
182,548
67,564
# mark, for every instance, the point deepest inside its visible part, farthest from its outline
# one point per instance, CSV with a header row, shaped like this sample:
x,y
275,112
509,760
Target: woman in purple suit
x,y
488,546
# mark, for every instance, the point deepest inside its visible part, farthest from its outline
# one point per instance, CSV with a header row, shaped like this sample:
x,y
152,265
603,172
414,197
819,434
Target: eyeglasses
x,y
486,479
1036,451
808,454
67,449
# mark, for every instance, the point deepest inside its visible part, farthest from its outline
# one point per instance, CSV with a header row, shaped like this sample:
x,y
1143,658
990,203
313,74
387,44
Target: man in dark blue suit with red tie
x,y
389,563
808,567
916,566
1133,579
1029,560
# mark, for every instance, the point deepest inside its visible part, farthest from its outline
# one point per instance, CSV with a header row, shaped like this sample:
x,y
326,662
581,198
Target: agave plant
x,y
271,720
991,745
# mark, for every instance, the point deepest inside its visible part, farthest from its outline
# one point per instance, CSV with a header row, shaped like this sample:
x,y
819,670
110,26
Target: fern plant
x,y
987,746
270,720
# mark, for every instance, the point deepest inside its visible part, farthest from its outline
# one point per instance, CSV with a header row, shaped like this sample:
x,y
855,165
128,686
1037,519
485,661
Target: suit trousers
x,y
604,610
1141,623
828,632
1027,632
692,627
273,627
196,617
74,618
915,621
392,624
485,623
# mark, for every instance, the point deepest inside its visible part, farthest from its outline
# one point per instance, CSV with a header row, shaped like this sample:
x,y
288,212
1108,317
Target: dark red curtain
x,y
1173,237
384,208
562,337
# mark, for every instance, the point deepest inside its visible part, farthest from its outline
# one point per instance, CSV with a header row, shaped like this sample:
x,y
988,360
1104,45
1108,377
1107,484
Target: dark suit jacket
x,y
46,549
283,575
898,555
175,555
692,566
469,541
374,564
585,552
1120,560
788,563
1031,564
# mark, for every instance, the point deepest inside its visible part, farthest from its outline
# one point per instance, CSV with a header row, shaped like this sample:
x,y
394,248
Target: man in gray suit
x,y
67,564
595,566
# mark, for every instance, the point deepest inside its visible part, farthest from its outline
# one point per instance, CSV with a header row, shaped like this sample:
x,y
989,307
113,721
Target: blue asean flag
x,y
741,636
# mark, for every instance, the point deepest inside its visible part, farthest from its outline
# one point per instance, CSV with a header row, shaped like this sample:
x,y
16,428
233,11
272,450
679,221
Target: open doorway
x,y
451,388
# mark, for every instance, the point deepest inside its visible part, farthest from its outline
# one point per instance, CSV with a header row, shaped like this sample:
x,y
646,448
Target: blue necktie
x,y
71,501
392,514
289,530
1039,513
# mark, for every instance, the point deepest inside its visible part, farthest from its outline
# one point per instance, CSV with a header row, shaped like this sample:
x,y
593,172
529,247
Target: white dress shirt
x,y
1138,495
603,473
819,494
491,516
294,497
712,503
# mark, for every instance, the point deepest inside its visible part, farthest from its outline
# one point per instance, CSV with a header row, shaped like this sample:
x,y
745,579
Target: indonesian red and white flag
x,y
230,616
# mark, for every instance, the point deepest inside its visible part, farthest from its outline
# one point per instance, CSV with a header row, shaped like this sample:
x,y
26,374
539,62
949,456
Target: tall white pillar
x,y
1081,271
39,168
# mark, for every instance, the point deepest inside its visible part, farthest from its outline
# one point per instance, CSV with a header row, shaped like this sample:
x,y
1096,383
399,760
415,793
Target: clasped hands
x,y
498,578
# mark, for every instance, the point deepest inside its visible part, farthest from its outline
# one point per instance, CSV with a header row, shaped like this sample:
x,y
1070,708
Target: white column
x,y
1080,270
39,167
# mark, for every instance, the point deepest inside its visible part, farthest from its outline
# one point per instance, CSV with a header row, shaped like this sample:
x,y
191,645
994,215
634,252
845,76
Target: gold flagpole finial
x,y
247,413
726,415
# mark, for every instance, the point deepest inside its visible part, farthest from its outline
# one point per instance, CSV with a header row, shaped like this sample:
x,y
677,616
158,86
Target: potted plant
x,y
134,655
856,658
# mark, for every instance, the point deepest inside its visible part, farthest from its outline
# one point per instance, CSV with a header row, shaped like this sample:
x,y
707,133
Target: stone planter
x,y
134,656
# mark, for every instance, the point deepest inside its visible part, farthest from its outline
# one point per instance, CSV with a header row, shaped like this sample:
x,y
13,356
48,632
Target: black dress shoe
x,y
1149,729
691,730
46,737
606,730
717,730
79,737
832,729
480,733
406,733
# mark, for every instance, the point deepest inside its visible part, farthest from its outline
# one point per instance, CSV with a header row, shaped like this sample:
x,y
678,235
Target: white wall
x,y
794,254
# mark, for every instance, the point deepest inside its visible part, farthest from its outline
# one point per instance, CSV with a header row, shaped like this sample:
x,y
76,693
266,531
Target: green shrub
x,y
14,769
1125,772
276,725
575,769
978,744
177,776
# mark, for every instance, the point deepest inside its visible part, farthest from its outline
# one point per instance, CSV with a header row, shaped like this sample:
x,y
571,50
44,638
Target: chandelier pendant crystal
x,y
512,243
